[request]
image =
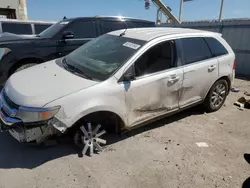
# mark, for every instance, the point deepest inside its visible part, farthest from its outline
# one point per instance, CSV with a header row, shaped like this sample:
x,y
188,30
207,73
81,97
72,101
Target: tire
x,y
87,137
216,96
25,67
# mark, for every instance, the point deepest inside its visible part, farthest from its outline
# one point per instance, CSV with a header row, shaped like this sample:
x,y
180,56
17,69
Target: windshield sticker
x,y
64,23
131,45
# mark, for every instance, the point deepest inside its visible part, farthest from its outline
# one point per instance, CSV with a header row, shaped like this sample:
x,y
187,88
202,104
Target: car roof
x,y
108,18
148,34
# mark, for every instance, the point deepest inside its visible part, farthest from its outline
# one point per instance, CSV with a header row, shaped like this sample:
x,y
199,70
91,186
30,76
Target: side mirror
x,y
68,35
128,75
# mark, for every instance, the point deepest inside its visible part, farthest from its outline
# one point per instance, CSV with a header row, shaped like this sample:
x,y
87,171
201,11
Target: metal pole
x,y
181,6
157,16
221,10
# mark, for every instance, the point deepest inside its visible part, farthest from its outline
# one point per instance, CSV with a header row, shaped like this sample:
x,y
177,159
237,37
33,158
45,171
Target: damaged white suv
x,y
117,82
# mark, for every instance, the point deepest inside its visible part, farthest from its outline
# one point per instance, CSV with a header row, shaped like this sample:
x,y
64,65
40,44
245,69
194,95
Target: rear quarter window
x,y
41,27
195,49
17,28
216,47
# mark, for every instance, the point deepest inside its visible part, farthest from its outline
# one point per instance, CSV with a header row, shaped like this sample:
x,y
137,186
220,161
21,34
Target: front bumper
x,y
23,132
37,132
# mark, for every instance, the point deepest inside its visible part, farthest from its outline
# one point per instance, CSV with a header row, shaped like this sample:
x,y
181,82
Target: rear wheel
x,y
216,96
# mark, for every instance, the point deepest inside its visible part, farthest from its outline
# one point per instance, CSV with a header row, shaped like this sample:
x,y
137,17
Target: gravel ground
x,y
163,154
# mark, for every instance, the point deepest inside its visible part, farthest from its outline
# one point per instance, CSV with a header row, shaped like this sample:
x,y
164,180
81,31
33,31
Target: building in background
x,y
13,9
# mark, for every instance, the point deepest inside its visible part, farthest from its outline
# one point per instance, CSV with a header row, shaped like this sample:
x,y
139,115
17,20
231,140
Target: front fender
x,y
68,115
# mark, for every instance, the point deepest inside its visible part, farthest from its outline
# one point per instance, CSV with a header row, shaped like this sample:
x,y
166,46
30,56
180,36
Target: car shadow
x,y
16,155
111,138
246,183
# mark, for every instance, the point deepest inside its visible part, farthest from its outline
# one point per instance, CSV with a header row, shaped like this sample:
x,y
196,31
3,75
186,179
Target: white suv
x,y
118,81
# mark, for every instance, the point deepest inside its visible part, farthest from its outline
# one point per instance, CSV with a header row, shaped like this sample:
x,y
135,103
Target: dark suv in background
x,y
18,52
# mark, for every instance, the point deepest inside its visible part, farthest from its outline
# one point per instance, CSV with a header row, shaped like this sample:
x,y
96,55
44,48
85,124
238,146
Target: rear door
x,y
84,31
200,70
225,59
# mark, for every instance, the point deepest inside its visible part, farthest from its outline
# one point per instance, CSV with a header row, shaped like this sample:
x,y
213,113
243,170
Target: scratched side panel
x,y
153,96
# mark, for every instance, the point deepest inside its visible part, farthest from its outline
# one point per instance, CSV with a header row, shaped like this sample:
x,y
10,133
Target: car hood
x,y
44,83
6,37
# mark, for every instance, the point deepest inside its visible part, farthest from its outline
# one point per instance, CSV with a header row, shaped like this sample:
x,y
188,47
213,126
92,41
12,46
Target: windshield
x,y
54,29
101,57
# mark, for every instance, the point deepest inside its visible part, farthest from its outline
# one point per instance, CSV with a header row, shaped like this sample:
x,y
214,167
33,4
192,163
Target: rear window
x,y
17,28
41,27
216,47
195,49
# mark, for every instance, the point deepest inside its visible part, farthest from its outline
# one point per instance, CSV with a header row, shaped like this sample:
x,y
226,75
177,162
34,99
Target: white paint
x,y
49,85
41,84
202,144
148,34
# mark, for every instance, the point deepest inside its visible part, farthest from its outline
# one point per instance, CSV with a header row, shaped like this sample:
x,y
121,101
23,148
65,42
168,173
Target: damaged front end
x,y
24,123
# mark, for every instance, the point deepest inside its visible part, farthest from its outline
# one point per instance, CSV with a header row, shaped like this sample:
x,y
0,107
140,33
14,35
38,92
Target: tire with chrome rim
x,y
216,96
88,138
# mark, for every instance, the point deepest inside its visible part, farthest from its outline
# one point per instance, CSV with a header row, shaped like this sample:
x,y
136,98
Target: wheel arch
x,y
227,78
23,61
113,121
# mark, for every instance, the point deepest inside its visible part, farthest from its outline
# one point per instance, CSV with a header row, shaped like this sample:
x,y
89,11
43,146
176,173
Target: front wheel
x,y
216,96
87,137
25,66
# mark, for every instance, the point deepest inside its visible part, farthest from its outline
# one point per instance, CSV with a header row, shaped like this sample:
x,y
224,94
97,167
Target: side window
x,y
195,49
17,28
216,47
83,29
41,27
158,58
108,26
133,24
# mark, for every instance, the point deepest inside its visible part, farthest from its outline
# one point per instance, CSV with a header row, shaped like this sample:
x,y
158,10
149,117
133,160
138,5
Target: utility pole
x,y
181,6
221,10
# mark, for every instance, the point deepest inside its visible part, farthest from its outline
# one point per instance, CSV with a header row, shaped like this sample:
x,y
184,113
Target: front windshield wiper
x,y
75,70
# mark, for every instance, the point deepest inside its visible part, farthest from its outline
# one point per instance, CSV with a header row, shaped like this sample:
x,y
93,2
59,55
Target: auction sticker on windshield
x,y
131,45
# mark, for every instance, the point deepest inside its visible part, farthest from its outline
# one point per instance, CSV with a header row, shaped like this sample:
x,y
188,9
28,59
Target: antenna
x,y
124,32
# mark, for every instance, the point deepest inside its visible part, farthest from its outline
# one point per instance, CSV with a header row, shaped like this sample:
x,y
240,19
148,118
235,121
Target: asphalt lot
x,y
162,154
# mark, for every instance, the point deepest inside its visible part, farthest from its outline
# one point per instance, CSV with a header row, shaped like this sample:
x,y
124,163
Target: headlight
x,y
3,52
28,115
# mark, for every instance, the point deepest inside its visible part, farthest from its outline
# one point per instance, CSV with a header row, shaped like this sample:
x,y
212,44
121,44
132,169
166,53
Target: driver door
x,y
155,90
83,31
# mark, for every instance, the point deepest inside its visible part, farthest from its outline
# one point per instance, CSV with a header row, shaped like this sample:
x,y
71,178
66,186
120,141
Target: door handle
x,y
212,67
173,79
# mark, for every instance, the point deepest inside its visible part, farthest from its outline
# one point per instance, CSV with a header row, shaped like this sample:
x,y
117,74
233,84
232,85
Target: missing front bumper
x,y
27,134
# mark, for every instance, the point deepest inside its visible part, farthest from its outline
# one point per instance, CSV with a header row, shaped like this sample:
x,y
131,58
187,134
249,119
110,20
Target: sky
x,y
195,10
